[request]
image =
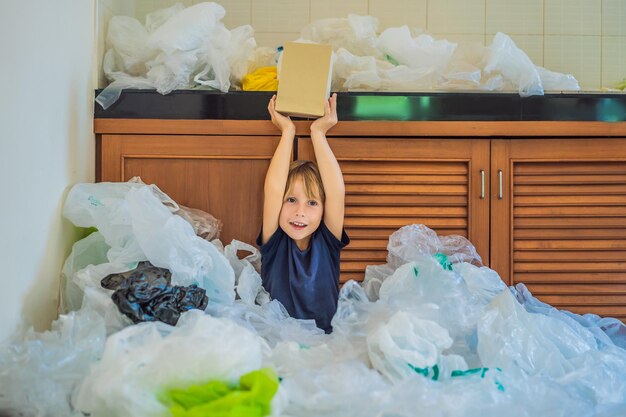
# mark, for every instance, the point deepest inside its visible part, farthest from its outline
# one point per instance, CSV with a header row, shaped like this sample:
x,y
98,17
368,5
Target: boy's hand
x,y
329,119
284,123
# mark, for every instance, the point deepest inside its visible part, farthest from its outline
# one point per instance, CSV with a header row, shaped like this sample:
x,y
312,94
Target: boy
x,y
302,233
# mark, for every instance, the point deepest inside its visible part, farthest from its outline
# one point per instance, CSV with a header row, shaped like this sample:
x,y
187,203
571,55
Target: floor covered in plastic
x,y
431,333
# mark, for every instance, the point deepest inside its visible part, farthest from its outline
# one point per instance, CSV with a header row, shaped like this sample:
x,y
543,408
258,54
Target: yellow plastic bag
x,y
263,79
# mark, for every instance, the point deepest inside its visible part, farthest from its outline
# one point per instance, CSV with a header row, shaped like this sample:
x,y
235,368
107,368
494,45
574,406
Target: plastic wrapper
x,y
142,361
145,294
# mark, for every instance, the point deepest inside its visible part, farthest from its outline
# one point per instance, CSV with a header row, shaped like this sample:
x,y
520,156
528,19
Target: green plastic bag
x,y
252,397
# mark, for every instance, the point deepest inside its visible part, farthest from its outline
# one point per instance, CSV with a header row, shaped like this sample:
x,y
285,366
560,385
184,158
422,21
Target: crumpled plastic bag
x,y
548,346
356,34
204,225
92,250
270,321
145,294
426,290
330,390
142,361
608,331
138,227
514,65
410,243
261,79
334,390
248,281
178,48
40,372
407,344
251,397
422,53
413,241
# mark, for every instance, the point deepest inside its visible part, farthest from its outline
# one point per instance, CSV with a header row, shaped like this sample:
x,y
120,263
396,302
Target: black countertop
x,y
456,106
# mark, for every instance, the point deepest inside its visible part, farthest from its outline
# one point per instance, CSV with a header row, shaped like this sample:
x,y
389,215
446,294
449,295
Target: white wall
x,y
46,145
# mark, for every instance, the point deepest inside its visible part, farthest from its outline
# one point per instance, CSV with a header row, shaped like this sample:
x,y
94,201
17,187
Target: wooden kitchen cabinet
x,y
557,223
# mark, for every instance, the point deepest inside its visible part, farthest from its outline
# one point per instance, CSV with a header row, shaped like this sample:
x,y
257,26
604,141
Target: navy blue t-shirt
x,y
305,282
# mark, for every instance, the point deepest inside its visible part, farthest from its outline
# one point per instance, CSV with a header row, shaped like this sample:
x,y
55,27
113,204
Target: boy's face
x,y
300,215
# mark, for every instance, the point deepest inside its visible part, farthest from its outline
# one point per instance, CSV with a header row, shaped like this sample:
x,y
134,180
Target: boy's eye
x,y
313,203
291,200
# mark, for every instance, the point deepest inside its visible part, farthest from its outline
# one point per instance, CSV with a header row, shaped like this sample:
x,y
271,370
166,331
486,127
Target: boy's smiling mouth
x,y
298,225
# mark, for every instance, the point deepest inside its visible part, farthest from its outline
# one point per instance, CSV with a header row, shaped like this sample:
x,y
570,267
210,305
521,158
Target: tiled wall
x,y
586,38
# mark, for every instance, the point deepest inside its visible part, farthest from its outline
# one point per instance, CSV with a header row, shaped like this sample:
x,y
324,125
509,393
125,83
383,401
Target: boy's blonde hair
x,y
308,172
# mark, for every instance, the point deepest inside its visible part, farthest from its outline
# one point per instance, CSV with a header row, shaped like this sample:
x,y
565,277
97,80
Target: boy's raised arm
x,y
329,169
276,177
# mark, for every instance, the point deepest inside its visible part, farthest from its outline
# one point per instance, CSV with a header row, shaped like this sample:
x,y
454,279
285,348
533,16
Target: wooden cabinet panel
x,y
553,214
560,224
222,175
393,182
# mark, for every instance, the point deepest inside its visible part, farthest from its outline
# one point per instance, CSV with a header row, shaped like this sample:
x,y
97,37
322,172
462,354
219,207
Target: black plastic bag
x,y
145,294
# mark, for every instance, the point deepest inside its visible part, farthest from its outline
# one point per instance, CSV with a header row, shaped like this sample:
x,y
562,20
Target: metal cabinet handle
x,y
500,184
482,184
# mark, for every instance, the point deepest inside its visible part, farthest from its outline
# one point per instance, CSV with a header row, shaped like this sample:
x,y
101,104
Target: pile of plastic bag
x,y
432,332
183,48
179,48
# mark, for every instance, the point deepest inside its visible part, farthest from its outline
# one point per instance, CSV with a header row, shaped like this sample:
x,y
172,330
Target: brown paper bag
x,y
304,79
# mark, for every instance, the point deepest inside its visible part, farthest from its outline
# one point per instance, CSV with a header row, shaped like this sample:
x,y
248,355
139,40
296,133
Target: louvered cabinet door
x,y
559,224
393,182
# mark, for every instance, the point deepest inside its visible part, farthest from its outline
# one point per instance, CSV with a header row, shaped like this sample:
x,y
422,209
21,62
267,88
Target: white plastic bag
x,y
138,226
40,372
407,344
336,390
170,242
188,29
514,65
356,34
141,361
247,278
422,52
